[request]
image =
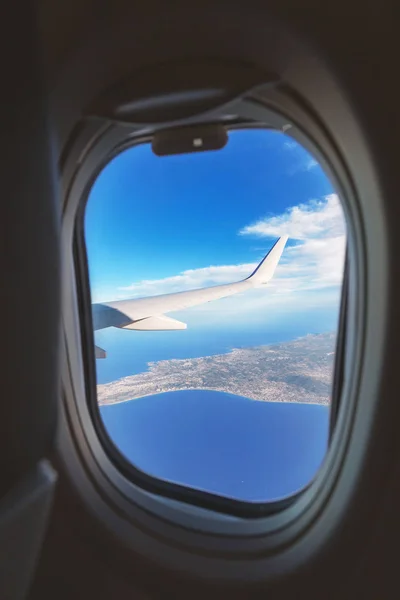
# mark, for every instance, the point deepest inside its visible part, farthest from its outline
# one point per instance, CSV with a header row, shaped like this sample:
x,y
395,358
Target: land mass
x,y
296,371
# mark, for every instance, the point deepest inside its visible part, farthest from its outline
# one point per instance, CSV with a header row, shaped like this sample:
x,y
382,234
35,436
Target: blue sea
x,y
222,443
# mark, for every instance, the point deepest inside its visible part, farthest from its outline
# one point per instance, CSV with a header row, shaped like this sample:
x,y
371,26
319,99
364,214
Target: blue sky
x,y
157,225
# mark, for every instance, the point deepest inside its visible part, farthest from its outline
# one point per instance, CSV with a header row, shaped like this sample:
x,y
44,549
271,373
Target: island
x,y
297,371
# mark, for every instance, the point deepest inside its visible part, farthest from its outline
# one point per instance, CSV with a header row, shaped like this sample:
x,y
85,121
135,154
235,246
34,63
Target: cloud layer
x,y
318,227
313,261
190,279
316,219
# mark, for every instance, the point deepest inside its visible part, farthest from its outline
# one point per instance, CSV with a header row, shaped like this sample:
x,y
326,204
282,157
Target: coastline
x,y
210,390
295,372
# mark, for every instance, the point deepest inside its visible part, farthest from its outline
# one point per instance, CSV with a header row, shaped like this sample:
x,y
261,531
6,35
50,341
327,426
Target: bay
x,y
222,443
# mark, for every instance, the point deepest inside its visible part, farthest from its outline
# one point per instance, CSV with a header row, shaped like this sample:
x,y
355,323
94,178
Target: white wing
x,y
147,314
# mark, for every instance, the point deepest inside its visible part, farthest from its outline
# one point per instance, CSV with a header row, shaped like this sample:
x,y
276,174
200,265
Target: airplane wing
x,y
148,314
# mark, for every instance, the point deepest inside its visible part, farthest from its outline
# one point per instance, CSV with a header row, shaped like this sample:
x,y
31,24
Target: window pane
x,y
236,403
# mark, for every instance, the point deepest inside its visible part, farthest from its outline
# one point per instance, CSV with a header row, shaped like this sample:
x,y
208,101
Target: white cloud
x,y
311,163
316,260
301,160
314,264
190,279
318,218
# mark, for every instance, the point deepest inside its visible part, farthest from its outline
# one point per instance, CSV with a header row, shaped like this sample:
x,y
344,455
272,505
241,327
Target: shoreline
x,y
295,372
232,350
209,390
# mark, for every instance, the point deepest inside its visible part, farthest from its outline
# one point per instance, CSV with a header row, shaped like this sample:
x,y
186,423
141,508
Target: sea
x,y
221,443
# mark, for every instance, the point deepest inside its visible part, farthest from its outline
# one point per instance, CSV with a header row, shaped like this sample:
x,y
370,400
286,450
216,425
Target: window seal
x,y
340,351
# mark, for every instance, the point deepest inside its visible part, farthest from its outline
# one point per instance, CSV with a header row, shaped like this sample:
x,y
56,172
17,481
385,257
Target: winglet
x,y
265,270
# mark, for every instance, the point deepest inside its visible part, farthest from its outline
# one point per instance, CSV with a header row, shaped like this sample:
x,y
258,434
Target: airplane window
x,y
216,282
